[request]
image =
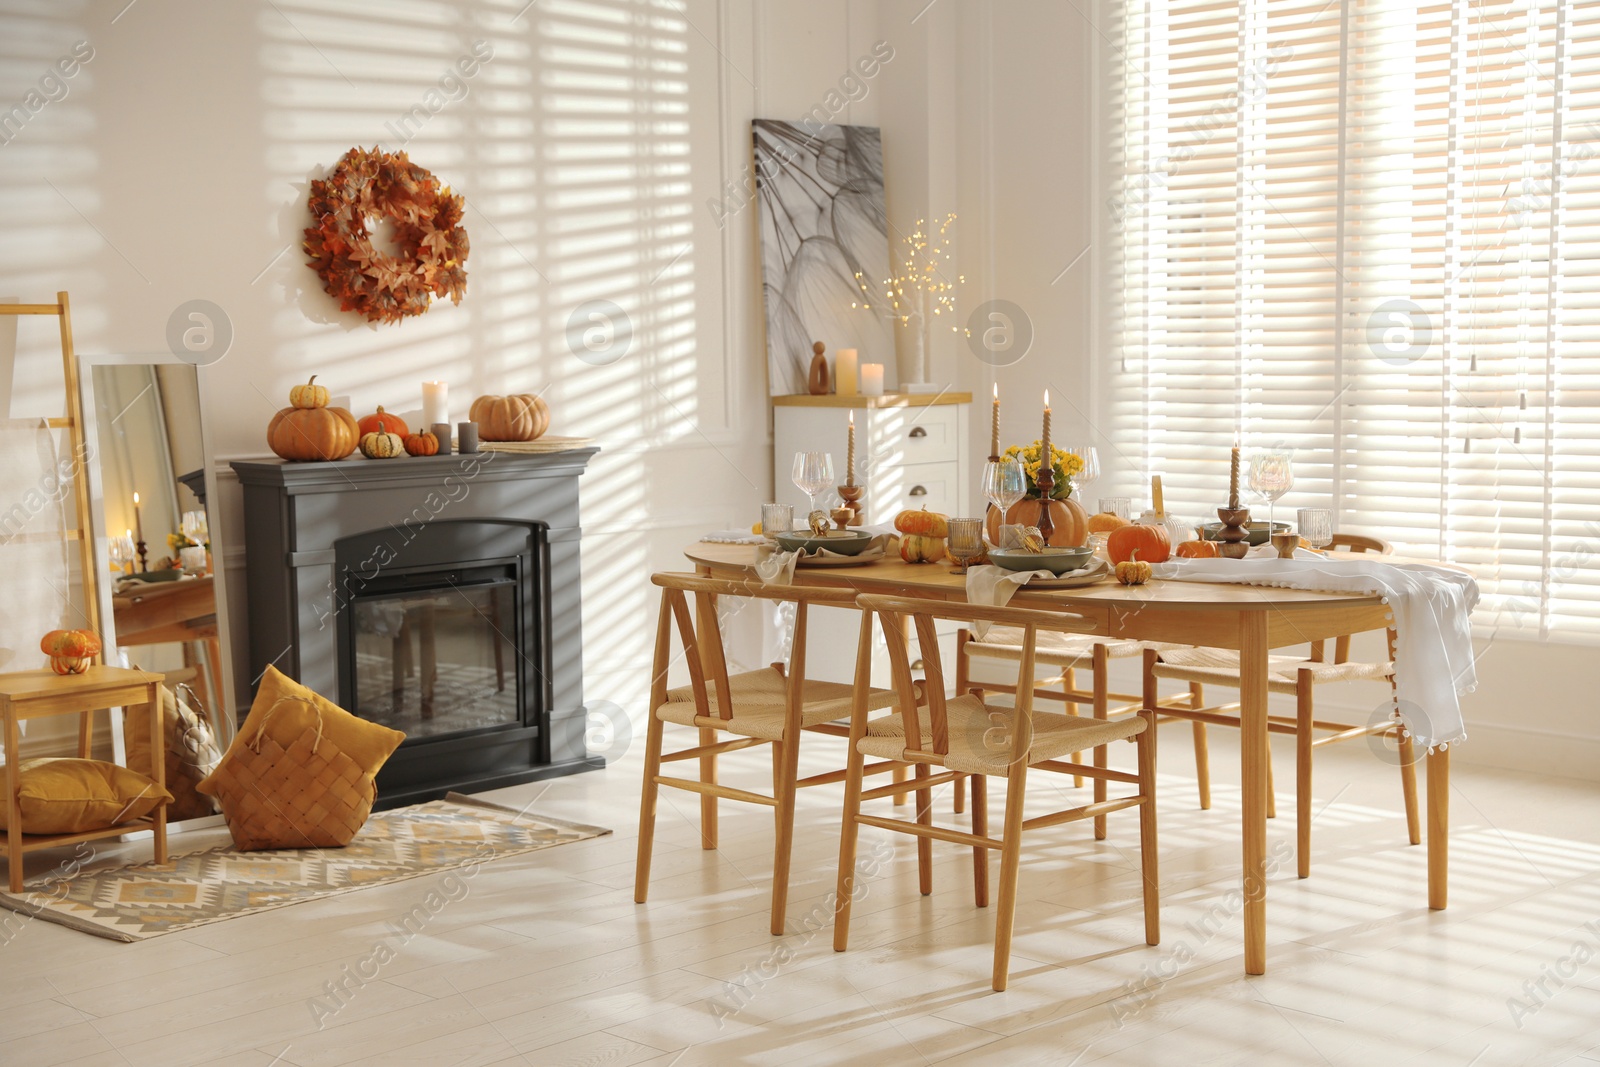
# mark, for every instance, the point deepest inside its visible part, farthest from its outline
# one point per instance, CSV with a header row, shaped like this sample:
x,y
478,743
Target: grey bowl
x,y
843,542
1258,531
1055,560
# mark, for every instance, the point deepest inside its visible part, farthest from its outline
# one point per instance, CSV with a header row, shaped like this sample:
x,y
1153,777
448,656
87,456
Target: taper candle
x,y
1045,459
994,426
850,454
138,524
1233,479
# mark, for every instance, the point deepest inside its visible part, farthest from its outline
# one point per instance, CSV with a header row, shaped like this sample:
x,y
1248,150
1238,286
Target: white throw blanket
x,y
1429,608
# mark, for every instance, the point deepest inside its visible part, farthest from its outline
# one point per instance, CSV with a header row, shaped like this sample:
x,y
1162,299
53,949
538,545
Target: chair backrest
x,y
1361,543
702,644
893,610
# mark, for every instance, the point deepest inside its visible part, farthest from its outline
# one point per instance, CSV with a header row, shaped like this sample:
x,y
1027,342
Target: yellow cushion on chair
x,y
72,796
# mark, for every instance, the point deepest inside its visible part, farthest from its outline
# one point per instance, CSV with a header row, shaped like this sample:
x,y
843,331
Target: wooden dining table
x,y
1253,620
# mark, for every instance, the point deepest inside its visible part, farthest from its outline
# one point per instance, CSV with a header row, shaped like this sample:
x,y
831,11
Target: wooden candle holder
x,y
851,495
1233,537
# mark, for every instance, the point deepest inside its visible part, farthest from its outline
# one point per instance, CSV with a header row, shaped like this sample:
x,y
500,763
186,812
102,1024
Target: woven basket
x,y
309,795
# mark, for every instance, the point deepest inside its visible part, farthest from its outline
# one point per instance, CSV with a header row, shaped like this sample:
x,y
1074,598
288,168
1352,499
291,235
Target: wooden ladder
x,y
73,423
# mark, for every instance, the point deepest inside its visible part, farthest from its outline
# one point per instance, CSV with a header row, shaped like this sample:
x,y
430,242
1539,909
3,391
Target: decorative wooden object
x,y
817,383
1286,541
851,495
1231,538
35,694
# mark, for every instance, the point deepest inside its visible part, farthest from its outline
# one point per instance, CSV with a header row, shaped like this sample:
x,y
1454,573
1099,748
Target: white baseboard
x,y
1519,748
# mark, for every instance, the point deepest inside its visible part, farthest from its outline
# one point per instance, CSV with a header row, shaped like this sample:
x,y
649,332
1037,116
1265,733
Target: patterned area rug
x,y
133,903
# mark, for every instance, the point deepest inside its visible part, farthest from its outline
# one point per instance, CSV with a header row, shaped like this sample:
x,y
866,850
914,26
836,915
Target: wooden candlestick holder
x,y
851,495
1233,537
1047,485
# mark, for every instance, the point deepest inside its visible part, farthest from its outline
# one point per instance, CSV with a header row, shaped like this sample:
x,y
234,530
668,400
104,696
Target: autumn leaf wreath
x,y
432,244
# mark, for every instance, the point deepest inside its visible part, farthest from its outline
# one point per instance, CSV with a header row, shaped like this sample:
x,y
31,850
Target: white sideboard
x,y
910,449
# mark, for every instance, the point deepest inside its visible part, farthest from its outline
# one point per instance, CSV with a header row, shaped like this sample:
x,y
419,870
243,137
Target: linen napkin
x,y
994,587
1429,609
777,568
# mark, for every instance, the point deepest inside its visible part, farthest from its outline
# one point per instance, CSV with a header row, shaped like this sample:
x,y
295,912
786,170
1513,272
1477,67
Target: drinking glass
x,y
1315,525
1120,506
1271,476
813,472
776,519
117,555
964,542
1090,456
1004,483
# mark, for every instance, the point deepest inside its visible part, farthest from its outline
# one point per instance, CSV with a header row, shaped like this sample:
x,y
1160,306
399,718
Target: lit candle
x,y
435,403
845,377
850,454
1233,479
994,428
138,526
1045,459
1156,498
871,379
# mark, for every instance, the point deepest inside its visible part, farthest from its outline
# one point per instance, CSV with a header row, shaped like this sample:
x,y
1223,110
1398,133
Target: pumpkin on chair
x,y
70,651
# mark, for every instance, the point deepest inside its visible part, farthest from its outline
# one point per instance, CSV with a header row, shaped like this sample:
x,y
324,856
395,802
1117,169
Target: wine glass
x,y
1271,476
1004,483
1315,525
813,472
1089,457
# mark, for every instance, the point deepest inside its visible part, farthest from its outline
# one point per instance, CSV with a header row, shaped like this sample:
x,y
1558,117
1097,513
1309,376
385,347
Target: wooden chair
x,y
772,705
1299,678
964,735
1066,654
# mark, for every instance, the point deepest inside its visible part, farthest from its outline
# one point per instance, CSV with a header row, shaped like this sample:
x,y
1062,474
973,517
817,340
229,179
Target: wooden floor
x,y
545,959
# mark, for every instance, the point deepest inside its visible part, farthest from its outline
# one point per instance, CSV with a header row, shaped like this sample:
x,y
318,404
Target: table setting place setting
x,y
1036,533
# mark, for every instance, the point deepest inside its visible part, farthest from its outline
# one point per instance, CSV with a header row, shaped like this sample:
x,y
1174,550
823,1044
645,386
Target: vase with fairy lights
x,y
922,294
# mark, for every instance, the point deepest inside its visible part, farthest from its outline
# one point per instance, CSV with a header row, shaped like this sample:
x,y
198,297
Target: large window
x,y
1369,230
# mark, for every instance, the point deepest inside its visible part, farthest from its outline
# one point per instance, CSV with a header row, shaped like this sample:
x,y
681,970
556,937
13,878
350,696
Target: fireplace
x,y
435,595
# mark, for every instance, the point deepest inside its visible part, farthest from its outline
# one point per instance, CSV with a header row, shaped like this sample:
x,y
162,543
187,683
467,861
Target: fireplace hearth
x,y
436,595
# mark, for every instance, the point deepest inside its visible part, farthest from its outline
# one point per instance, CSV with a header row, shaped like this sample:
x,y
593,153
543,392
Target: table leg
x,y
158,768
1438,828
1253,777
13,741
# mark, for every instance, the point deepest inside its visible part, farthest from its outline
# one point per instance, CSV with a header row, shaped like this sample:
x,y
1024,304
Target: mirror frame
x,y
224,720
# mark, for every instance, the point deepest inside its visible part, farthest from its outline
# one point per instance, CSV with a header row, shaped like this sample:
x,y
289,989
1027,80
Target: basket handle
x,y
254,744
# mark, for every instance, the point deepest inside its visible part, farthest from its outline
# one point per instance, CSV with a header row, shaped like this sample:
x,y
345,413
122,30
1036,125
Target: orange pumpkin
x,y
519,417
1105,522
1148,543
422,444
1197,550
383,422
313,433
923,523
1133,572
70,651
1069,522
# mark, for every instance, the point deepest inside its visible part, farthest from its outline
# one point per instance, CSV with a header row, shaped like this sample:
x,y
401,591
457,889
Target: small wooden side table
x,y
35,694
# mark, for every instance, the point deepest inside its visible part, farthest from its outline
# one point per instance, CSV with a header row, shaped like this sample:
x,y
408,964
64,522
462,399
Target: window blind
x,y
1368,231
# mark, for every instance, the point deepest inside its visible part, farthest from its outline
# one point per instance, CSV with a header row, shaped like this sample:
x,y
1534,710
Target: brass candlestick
x,y
851,495
1233,537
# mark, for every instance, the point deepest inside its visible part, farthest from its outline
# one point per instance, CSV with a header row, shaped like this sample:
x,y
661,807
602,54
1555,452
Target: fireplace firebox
x,y
436,595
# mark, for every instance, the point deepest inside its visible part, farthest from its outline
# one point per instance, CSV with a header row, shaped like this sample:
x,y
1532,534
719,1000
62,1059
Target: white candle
x,y
844,372
871,379
435,403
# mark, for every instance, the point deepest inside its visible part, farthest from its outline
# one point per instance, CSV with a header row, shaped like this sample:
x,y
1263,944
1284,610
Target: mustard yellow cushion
x,y
286,709
70,796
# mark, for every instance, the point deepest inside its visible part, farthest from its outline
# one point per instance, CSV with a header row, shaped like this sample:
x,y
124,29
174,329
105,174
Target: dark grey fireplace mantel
x,y
295,513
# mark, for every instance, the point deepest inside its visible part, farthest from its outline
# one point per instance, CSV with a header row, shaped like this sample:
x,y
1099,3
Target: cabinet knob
x,y
917,490
917,431
917,664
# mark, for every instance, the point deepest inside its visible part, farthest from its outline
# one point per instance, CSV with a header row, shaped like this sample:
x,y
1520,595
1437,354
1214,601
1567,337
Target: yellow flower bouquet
x,y
1064,464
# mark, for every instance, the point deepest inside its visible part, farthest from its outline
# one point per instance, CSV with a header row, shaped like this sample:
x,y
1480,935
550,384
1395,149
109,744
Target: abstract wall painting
x,y
824,246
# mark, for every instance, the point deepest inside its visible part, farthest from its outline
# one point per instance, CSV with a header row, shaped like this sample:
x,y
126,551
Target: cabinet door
x,y
908,435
